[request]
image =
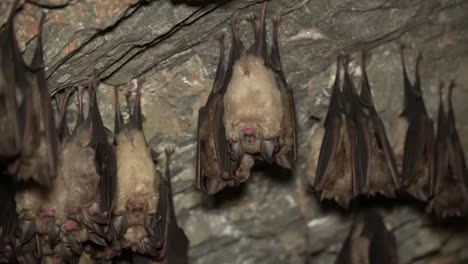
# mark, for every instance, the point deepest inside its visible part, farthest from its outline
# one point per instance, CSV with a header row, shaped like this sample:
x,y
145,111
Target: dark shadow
x,y
273,172
227,195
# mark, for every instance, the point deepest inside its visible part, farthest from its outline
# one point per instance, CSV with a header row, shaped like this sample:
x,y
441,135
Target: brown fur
x,y
339,179
359,245
246,164
252,97
208,146
379,180
397,139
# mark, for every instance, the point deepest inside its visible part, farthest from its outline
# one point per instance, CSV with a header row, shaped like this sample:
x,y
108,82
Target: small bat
x,y
137,192
329,156
369,242
450,183
29,142
415,155
383,175
249,115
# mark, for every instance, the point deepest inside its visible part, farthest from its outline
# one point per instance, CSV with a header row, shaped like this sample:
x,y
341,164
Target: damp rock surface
x,y
273,218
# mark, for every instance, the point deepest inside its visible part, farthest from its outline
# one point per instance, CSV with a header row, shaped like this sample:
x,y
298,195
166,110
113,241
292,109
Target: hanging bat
x,y
450,183
369,242
173,246
176,243
249,114
137,195
29,142
383,175
329,169
415,154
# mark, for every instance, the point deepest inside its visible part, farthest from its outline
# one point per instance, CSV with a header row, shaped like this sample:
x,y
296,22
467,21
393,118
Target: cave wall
x,y
272,218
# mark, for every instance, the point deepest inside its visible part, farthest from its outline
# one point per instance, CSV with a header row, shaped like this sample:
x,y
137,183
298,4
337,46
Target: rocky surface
x,y
272,218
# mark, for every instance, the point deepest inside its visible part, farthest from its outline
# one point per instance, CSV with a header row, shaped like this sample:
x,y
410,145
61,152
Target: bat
x,y
415,154
173,245
329,170
249,115
384,177
137,190
369,242
29,142
450,183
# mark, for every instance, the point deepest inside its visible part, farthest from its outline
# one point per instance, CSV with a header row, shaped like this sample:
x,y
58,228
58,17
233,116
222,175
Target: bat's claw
x,y
169,150
276,20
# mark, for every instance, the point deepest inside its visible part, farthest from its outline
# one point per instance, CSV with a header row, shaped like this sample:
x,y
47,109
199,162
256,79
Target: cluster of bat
x,y
77,196
351,154
250,115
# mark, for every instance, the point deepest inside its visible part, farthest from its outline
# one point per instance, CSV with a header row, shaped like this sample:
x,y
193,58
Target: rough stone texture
x,y
272,219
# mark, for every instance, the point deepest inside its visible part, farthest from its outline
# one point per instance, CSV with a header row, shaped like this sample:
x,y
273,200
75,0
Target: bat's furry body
x,y
249,115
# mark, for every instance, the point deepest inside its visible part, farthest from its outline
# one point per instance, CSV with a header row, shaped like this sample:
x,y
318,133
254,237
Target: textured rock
x,y
272,219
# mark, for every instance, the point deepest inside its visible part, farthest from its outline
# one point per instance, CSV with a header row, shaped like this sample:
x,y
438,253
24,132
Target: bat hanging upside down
x,y
143,217
28,142
249,114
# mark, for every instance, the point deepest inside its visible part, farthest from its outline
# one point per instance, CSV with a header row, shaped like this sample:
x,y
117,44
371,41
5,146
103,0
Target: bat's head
x,y
252,141
250,137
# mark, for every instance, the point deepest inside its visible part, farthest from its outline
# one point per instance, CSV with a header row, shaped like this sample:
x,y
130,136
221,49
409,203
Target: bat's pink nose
x,y
248,130
136,204
49,211
70,225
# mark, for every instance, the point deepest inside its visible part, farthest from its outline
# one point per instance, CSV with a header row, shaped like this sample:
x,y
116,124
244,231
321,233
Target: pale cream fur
x,y
252,96
78,168
32,199
397,137
359,245
136,174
